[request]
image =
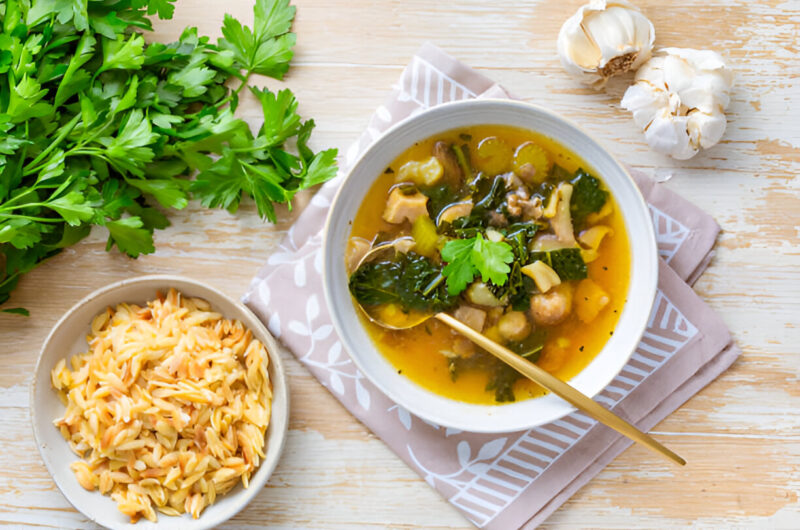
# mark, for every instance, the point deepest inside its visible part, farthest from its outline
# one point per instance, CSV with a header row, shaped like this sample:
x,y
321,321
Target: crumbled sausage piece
x,y
552,307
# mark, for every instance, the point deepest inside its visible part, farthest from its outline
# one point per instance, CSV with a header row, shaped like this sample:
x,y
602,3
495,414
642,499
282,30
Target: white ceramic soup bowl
x,y
68,337
420,401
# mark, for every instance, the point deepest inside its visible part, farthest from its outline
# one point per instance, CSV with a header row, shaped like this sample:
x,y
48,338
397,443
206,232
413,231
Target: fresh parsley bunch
x,y
98,127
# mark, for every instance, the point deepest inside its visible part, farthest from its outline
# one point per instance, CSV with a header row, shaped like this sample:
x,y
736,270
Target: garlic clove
x,y
667,134
679,99
705,130
701,59
678,74
605,38
646,100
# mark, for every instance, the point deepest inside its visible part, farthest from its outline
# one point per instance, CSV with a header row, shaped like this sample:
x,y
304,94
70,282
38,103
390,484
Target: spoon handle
x,y
559,388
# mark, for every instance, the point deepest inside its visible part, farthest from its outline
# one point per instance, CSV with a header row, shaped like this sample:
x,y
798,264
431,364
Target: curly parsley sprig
x,y
97,125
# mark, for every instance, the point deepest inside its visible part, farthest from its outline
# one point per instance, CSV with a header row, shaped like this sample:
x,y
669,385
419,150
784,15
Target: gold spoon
x,y
520,364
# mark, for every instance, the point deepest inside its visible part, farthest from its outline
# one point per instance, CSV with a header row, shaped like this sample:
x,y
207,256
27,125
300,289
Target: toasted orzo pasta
x,y
168,408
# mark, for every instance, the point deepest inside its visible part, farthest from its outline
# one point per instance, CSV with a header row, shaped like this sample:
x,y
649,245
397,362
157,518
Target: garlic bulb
x,y
679,100
605,38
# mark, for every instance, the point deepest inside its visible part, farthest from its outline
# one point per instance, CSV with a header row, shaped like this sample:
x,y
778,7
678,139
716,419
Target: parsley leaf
x,y
467,257
121,53
491,259
97,125
130,236
163,8
459,271
267,48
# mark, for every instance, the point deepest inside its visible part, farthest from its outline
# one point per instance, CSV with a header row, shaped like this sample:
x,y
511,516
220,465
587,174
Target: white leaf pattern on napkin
x,y
494,489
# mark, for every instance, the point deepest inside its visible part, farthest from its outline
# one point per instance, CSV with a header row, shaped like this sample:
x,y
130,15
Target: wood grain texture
x,y
741,435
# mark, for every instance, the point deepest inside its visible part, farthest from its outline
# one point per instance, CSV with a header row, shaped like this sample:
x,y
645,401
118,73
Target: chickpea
x,y
514,326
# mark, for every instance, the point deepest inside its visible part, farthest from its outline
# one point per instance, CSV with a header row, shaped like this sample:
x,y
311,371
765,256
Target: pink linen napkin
x,y
514,479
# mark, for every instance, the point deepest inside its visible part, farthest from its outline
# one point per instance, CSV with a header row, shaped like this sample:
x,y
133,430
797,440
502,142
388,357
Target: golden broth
x,y
570,346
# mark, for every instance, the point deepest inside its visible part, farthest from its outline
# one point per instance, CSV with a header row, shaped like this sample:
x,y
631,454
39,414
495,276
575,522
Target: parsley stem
x,y
6,205
235,93
32,218
8,279
21,206
60,138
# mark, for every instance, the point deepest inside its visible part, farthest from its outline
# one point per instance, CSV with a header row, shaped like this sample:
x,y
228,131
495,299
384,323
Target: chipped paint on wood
x,y
741,434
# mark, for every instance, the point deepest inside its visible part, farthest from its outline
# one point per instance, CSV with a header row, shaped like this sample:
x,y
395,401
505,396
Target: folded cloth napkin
x,y
514,479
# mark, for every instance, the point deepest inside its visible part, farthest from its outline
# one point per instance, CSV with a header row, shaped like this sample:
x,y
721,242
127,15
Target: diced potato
x,y
471,316
531,163
424,233
590,299
542,274
423,172
514,326
494,156
400,206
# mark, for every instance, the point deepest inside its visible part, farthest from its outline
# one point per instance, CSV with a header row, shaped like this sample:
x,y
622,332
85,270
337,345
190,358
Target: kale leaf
x,y
587,197
375,283
411,280
439,197
502,382
503,376
567,262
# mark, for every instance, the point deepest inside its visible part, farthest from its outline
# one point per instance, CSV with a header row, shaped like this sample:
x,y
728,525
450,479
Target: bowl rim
x,y
275,437
650,281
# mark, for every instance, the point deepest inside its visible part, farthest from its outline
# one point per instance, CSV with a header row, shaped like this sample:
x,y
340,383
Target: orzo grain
x,y
168,408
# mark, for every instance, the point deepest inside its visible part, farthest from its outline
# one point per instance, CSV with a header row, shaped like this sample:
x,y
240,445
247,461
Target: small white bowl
x,y
68,337
444,411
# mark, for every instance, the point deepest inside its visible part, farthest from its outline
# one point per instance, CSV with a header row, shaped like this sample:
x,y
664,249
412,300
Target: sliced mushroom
x,y
561,221
447,158
357,247
454,211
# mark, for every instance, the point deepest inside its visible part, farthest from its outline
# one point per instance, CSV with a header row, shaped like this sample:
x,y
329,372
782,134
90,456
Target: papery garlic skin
x,y
679,100
605,38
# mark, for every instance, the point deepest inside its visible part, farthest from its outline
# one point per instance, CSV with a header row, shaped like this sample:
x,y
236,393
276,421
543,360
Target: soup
x,y
508,231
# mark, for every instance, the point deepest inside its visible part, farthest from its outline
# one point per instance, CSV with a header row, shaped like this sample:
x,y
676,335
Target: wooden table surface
x,y
741,435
